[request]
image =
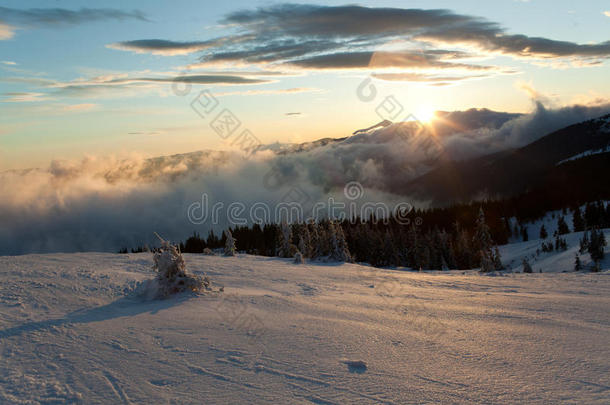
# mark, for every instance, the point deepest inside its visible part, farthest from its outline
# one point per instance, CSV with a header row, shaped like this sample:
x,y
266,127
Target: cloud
x,y
292,90
101,84
418,77
6,31
79,107
104,204
382,59
374,26
161,47
397,43
52,17
24,97
607,13
143,133
8,62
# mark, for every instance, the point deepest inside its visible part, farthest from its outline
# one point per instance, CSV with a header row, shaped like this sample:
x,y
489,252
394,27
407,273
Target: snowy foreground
x,y
72,331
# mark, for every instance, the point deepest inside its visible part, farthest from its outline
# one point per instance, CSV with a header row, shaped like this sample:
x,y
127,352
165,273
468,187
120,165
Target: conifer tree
x,y
497,259
315,245
577,221
577,263
526,266
524,234
285,247
338,246
562,226
543,232
389,254
483,243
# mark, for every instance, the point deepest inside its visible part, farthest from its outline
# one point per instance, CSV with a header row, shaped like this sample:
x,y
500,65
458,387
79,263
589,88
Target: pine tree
x,y
497,260
315,246
229,243
526,266
584,243
577,222
483,243
596,246
543,232
577,263
304,238
338,245
562,226
285,247
389,254
524,234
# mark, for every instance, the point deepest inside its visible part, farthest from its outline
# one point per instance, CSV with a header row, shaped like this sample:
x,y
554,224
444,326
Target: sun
x,y
425,113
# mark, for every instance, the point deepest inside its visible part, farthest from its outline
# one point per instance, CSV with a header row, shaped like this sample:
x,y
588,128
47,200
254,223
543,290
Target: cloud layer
x,y
416,44
105,204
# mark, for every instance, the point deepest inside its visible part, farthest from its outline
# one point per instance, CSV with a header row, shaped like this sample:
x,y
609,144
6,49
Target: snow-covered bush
x,y
172,276
208,252
298,258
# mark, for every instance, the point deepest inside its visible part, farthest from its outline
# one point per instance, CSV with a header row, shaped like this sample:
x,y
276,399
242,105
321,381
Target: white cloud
x,y
607,13
6,31
21,97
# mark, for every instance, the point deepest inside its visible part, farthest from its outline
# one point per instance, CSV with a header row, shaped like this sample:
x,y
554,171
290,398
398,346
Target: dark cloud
x,y
384,24
373,60
49,17
344,37
342,21
161,46
96,85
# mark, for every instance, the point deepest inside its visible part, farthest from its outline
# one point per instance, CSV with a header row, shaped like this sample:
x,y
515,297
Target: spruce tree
x,y
524,234
483,243
285,248
577,221
577,263
338,246
562,226
543,232
526,266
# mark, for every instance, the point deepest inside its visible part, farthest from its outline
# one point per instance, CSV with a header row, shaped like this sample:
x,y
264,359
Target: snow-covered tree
x,y
229,244
484,244
497,259
285,247
338,246
304,240
172,276
315,244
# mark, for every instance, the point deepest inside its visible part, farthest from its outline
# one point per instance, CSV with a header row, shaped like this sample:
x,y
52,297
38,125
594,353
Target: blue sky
x,y
73,85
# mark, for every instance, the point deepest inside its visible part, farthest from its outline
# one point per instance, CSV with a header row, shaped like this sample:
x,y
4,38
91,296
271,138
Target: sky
x,y
121,78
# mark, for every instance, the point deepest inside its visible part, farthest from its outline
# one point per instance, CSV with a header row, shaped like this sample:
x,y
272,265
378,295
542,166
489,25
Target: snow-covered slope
x,y
283,333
